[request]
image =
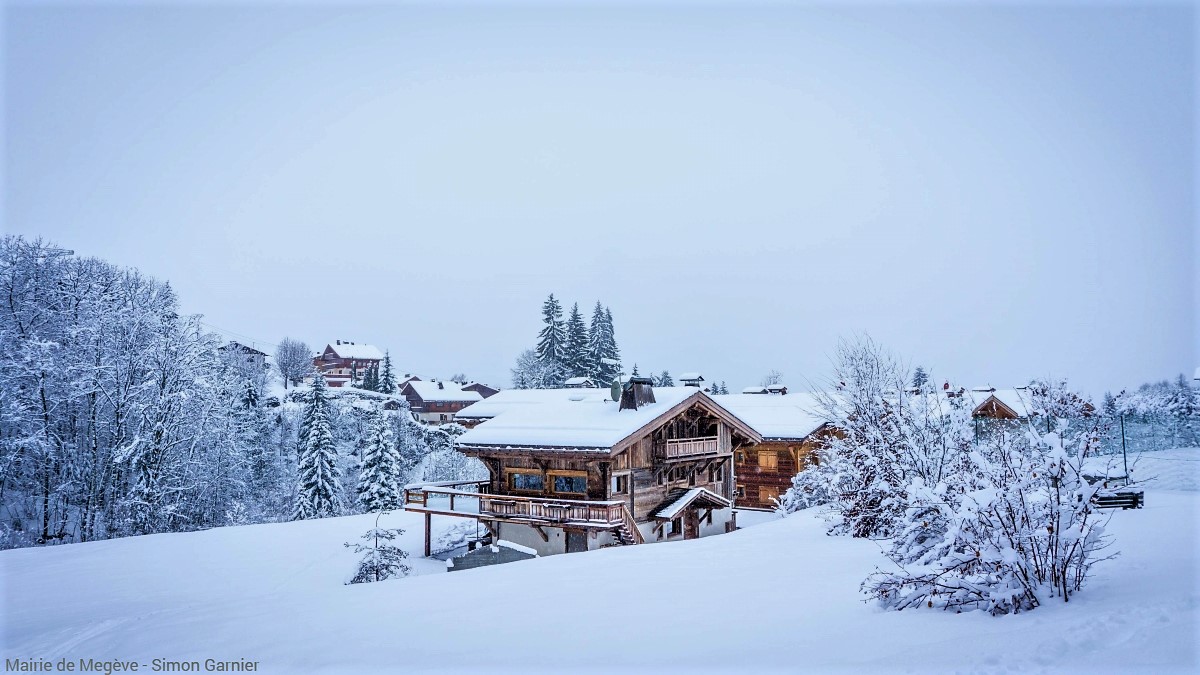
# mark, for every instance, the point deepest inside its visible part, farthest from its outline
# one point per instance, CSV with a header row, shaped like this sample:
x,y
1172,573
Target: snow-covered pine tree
x,y
577,361
552,339
381,559
635,372
387,378
249,394
530,372
919,379
379,474
665,380
724,389
318,491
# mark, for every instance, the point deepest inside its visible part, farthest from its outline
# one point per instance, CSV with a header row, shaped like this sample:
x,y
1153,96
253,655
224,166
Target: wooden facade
x,y
765,471
345,363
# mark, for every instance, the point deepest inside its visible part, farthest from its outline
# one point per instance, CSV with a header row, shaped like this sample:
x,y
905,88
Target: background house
x,y
437,401
344,362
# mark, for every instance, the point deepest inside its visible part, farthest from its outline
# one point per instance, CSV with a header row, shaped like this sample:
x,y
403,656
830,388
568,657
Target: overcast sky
x,y
996,193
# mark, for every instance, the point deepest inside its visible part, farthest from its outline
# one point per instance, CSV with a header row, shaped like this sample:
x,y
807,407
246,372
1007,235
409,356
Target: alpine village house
x,y
345,362
585,472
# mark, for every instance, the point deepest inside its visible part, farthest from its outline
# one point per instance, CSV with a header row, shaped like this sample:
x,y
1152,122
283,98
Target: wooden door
x,y
576,541
691,524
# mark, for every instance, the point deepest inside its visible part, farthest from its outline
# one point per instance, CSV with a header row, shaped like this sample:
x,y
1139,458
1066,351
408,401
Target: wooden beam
x,y
545,537
428,528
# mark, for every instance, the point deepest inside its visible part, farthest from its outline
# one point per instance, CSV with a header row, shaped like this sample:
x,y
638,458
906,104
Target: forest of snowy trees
x,y
569,348
120,416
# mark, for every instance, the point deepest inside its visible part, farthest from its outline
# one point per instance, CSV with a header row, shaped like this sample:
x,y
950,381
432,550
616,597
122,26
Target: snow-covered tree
x,y
604,357
293,360
379,488
552,340
919,378
381,559
318,491
773,377
664,380
577,360
1009,525
387,378
530,372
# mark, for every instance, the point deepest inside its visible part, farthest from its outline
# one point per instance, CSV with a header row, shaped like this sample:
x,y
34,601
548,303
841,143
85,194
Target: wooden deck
x,y
451,499
686,448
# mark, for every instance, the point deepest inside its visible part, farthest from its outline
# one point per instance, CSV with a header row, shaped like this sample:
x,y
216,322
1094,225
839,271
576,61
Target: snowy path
x,y
778,596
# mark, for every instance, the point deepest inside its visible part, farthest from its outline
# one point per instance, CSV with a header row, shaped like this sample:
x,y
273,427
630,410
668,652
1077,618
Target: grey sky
x,y
994,192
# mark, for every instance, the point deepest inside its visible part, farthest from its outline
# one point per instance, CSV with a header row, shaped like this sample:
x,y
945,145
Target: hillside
x,y
780,595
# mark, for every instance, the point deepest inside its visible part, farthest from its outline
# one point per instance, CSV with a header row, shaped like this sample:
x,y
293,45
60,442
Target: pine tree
x,y
577,358
381,559
249,394
611,351
920,378
387,379
664,380
635,372
724,389
318,492
552,340
378,479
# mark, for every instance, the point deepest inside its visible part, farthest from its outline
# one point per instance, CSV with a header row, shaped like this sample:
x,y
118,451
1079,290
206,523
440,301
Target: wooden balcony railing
x,y
477,501
687,447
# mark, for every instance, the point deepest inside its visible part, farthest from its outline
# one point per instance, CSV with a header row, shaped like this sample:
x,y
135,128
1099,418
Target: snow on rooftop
x,y
509,399
672,510
590,424
792,417
691,376
449,391
581,380
362,352
755,390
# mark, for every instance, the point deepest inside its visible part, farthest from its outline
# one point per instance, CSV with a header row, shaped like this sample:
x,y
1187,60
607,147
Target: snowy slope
x,y
780,595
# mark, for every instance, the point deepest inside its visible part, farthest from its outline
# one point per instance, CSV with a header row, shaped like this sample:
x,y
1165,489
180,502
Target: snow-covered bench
x,y
1123,499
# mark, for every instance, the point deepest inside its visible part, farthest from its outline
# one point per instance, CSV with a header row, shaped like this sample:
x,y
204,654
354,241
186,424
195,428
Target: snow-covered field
x,y
779,595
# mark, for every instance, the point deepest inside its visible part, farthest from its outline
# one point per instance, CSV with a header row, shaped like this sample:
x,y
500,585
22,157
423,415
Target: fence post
x,y
1124,458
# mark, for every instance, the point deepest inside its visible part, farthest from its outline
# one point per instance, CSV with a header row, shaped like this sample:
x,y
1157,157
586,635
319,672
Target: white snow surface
x,y
787,596
449,391
780,417
360,352
590,423
510,399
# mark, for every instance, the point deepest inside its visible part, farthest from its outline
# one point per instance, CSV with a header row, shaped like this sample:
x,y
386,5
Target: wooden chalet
x,y
791,433
480,388
245,356
435,401
577,475
345,362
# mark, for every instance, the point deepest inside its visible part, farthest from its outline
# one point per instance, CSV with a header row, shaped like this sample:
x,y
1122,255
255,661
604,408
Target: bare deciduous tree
x,y
293,360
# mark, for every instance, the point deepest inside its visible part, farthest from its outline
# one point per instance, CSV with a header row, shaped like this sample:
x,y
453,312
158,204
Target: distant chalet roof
x,y
755,390
510,399
578,381
356,352
584,425
449,391
696,377
783,418
246,349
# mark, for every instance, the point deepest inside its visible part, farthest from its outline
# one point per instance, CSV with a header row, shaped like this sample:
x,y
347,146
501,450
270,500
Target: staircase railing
x,y
631,525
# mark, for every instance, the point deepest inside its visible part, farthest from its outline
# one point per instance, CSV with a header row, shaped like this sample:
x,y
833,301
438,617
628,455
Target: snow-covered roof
x,y
509,399
360,352
1016,399
449,391
587,424
671,510
577,381
755,390
691,376
791,417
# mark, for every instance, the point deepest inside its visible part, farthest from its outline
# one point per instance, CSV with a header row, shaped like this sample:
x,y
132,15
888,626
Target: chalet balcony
x,y
470,499
685,448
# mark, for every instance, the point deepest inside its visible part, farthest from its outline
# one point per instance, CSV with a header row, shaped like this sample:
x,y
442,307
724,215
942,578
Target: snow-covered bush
x,y
1009,523
381,560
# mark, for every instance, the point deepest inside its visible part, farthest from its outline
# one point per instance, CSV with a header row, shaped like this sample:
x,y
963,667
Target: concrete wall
x,y
528,536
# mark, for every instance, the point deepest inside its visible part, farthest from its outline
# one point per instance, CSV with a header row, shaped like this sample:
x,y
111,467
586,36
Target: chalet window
x,y
741,493
620,484
741,456
571,484
768,459
528,482
676,528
